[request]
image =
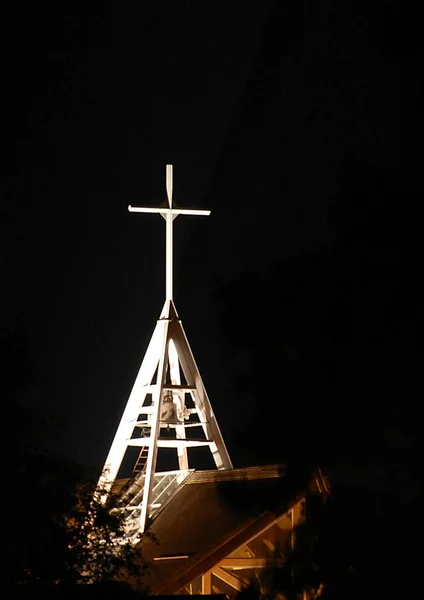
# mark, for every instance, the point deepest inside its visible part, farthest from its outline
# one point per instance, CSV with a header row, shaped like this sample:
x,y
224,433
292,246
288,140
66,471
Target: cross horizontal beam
x,y
172,211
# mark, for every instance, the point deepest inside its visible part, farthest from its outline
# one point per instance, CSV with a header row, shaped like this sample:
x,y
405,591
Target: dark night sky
x,y
296,125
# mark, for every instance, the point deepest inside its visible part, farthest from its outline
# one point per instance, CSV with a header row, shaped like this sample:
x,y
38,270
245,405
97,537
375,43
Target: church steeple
x,y
168,406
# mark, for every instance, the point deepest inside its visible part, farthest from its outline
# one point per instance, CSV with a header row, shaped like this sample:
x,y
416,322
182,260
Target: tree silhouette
x,y
345,350
54,530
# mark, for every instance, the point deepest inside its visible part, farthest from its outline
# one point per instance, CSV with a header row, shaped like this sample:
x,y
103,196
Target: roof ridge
x,y
257,472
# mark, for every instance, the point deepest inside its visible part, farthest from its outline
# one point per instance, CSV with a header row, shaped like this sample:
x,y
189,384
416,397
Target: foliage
x,y
66,536
97,548
54,529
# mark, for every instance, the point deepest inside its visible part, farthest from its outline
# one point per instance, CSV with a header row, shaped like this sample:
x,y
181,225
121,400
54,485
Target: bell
x,y
168,413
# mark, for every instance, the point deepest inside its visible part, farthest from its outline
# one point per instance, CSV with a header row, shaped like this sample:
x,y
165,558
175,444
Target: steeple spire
x,y
168,406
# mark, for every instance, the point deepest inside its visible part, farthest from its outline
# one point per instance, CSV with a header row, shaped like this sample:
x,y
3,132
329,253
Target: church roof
x,y
211,515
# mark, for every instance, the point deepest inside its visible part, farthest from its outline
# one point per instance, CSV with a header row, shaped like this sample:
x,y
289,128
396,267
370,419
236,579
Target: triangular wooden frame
x,y
168,356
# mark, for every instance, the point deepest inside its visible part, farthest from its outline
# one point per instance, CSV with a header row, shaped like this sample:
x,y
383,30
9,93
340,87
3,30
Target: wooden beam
x,y
250,563
229,579
179,387
168,443
207,583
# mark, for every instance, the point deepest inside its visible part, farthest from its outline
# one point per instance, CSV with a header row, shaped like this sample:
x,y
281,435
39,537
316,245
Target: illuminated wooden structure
x,y
213,532
168,406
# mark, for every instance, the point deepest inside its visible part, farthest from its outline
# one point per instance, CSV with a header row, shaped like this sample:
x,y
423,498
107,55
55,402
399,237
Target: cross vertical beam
x,y
169,240
169,255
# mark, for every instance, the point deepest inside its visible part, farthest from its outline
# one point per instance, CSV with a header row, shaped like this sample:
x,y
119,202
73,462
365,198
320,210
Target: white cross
x,y
169,215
